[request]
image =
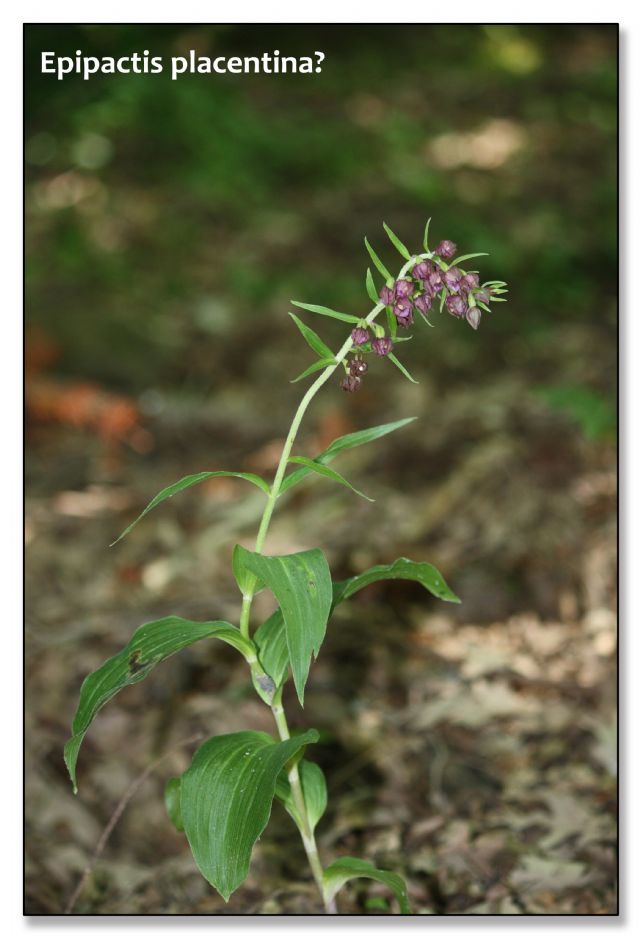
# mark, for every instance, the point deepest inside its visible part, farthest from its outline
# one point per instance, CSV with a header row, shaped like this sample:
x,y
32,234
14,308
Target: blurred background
x,y
470,747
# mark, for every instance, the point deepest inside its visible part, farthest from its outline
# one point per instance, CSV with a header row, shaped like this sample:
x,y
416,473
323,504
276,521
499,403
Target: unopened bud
x,y
473,317
446,249
456,306
359,336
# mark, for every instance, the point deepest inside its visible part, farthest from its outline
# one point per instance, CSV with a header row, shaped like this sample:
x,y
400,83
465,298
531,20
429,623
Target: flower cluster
x,y
432,279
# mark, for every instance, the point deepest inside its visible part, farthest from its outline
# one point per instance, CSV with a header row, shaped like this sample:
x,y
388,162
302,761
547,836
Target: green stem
x,y
277,708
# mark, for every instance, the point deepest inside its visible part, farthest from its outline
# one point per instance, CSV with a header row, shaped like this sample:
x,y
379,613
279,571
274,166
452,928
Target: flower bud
x,y
470,281
358,367
359,336
446,249
403,289
456,306
387,296
351,383
473,317
382,346
483,296
403,311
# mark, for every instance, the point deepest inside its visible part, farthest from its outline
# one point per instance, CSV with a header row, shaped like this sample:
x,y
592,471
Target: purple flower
x,y
358,367
456,306
351,383
422,270
473,317
452,279
483,296
359,336
403,289
382,346
470,281
387,296
423,303
434,280
446,249
403,311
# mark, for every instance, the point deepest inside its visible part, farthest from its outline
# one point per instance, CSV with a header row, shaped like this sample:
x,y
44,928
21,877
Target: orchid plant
x,y
223,801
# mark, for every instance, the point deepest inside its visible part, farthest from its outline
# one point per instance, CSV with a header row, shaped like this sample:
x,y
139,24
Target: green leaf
x,y
342,443
187,482
401,368
485,307
313,339
426,236
316,366
378,263
346,868
327,472
172,802
397,243
459,260
150,644
271,640
497,299
325,311
314,788
424,573
226,797
301,582
371,288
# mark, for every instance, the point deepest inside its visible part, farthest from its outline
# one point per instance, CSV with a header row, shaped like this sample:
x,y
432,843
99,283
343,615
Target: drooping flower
x,y
422,270
453,279
387,296
403,289
382,346
423,303
403,311
456,306
446,249
359,336
470,281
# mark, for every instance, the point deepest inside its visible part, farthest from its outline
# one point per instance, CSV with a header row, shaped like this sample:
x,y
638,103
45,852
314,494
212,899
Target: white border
x,y
11,393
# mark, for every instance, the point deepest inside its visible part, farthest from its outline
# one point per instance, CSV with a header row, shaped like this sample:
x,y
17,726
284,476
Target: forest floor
x,y
471,748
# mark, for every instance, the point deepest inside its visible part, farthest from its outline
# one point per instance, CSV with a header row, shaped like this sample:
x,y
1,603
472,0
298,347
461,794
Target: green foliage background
x,y
169,222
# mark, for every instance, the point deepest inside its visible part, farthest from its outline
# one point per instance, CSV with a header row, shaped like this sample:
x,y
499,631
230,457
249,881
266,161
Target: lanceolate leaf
x,y
172,802
426,236
312,338
371,288
325,311
397,243
346,868
301,582
187,482
327,472
378,263
459,260
401,368
424,573
316,366
150,644
226,797
342,443
314,788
